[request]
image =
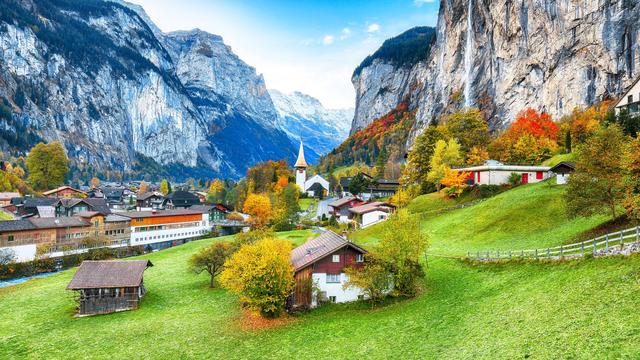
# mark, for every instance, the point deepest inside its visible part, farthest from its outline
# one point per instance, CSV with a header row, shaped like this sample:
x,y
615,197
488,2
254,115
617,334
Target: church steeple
x,y
301,163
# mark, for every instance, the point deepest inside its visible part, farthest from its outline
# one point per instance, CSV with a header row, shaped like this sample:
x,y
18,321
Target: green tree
x,y
381,161
358,184
211,259
469,128
47,165
286,208
631,164
419,159
373,278
262,275
164,187
445,155
597,183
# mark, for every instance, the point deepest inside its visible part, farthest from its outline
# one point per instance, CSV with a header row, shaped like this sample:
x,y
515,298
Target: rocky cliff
x,y
503,56
303,117
101,78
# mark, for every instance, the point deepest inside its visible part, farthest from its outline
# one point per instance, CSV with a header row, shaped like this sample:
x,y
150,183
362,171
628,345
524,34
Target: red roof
x,y
318,248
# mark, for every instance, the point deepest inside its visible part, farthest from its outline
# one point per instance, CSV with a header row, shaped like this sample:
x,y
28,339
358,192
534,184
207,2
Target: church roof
x,y
301,162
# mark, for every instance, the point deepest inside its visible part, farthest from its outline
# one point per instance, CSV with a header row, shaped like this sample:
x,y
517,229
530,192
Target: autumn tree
x,y
216,191
164,187
282,182
262,275
477,156
404,195
47,165
445,155
211,259
597,183
631,164
454,181
286,208
144,188
419,159
469,128
95,182
373,278
258,206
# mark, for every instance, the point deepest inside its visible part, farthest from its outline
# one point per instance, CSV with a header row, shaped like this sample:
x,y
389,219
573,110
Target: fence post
x,y
594,246
498,254
478,256
561,251
621,240
606,244
536,254
488,255
522,254
548,253
582,245
637,233
509,254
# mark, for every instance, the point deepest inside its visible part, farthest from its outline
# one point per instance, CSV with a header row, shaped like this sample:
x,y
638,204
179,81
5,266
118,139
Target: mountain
x,y
125,98
504,56
302,117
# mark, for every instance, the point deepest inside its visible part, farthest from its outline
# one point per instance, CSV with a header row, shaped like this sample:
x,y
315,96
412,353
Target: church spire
x,y
301,162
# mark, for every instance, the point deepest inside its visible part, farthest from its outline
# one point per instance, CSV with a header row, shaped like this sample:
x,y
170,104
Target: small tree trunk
x,y
211,282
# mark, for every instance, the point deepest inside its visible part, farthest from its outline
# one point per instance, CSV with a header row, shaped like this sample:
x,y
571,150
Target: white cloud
x,y
422,2
375,27
327,39
346,33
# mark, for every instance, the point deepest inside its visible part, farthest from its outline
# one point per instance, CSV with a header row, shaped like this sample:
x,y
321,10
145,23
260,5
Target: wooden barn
x,y
108,286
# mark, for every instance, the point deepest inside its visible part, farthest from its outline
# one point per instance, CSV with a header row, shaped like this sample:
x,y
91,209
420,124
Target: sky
x,y
311,46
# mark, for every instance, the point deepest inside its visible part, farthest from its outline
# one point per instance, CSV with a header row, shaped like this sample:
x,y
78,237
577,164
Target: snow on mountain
x,y
303,117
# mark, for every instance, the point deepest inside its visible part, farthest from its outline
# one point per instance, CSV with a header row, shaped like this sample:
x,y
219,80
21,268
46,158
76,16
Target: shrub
x,y
515,179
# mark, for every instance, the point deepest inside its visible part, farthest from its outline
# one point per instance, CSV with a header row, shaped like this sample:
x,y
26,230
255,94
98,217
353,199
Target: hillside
x,y
536,310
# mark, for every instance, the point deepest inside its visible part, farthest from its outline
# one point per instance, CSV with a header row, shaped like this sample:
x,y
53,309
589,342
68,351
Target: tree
x,y
211,259
419,159
372,278
261,274
597,183
95,182
380,163
469,128
164,187
404,195
445,155
286,208
358,184
258,206
7,256
477,156
631,164
47,165
216,192
144,188
454,181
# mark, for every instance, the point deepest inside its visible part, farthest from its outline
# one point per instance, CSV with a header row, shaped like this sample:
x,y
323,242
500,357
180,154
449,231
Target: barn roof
x,y
343,201
563,167
316,249
372,206
109,274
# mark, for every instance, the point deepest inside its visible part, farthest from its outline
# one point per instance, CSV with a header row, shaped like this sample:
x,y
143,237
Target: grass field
x,y
306,203
578,309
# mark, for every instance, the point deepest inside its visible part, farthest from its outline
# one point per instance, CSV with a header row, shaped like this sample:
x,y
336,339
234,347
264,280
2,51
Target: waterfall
x,y
468,57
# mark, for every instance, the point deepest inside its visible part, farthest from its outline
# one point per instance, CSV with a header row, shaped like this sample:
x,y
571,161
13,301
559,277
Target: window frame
x,y
335,258
333,278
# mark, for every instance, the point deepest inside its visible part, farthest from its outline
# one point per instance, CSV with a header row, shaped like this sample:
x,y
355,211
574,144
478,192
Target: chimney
x,y
344,235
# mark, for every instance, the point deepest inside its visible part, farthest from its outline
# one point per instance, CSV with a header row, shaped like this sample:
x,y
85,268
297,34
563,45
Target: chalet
x,y
65,192
180,200
371,213
108,229
114,197
109,286
316,186
378,188
495,173
201,195
215,211
5,197
630,100
166,228
149,201
322,262
32,206
562,171
341,207
70,207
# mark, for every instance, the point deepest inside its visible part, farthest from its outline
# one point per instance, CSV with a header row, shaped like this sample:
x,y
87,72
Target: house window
x,y
629,99
332,299
333,278
335,258
10,238
359,258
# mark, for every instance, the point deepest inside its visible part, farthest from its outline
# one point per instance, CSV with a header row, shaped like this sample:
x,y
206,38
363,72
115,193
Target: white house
x,y
562,171
312,186
371,213
319,266
630,99
496,173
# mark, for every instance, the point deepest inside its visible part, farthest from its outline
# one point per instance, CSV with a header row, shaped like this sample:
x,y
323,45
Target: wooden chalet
x,y
65,192
109,286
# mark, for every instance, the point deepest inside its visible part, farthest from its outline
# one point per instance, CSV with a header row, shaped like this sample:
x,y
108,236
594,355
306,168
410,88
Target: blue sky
x,y
309,46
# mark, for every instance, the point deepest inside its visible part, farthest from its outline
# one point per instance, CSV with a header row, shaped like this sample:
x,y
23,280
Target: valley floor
x,y
577,309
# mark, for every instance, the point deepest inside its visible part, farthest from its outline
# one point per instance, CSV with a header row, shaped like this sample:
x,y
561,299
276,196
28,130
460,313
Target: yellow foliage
x,y
258,206
454,178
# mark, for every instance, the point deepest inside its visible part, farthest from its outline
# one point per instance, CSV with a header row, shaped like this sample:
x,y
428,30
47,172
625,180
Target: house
x,y
109,286
320,263
215,211
70,207
341,207
180,200
562,171
379,188
371,213
5,197
496,173
149,201
166,228
201,195
630,100
319,184
65,192
30,206
108,230
114,197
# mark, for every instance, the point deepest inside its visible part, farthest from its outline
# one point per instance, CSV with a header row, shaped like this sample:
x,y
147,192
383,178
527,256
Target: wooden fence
x,y
608,244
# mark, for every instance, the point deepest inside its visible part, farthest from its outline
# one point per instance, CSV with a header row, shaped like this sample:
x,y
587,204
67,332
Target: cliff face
x,y
504,56
101,78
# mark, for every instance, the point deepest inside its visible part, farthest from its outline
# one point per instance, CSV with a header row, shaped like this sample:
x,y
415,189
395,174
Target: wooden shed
x,y
108,286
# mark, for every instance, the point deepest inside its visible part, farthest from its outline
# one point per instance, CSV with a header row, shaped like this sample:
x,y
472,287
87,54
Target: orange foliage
x,y
283,181
454,179
538,125
258,206
375,131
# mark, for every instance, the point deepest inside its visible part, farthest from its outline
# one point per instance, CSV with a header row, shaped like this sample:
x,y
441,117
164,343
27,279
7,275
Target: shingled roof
x,y
109,274
343,201
316,249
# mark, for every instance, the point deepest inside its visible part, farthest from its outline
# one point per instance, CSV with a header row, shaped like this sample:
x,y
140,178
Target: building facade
x,y
159,229
496,173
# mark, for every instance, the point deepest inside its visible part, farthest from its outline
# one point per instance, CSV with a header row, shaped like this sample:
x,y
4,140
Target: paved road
x,y
323,207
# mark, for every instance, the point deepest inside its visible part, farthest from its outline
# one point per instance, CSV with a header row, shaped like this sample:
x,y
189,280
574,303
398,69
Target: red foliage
x,y
376,131
539,125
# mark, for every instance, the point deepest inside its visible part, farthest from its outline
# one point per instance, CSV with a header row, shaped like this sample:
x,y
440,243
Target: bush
x,y
487,191
515,179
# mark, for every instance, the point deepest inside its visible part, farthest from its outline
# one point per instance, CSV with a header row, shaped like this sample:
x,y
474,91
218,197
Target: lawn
x,y
556,159
306,203
578,309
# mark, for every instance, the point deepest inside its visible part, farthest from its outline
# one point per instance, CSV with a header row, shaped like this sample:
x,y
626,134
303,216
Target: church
x,y
316,186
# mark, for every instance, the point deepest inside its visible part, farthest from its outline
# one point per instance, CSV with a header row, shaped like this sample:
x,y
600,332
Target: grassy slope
x,y
580,309
306,203
556,159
